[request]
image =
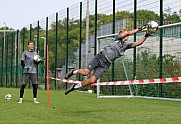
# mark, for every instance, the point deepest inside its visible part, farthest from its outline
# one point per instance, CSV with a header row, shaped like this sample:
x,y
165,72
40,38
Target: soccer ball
x,y
8,97
37,58
153,26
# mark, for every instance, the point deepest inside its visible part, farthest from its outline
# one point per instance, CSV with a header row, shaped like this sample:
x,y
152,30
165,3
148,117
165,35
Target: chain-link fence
x,y
71,36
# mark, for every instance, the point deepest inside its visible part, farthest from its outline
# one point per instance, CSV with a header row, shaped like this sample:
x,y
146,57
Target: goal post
x,y
159,55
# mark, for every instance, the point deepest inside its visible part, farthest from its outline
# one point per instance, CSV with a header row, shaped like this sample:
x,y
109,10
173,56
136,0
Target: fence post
x,y
80,36
2,71
67,41
17,37
46,53
56,40
161,46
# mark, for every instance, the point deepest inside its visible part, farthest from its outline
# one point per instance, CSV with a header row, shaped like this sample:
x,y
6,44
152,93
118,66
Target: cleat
x,y
70,89
20,102
68,75
36,102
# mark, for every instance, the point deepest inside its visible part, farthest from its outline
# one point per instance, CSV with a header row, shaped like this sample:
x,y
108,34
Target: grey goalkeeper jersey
x,y
27,57
115,49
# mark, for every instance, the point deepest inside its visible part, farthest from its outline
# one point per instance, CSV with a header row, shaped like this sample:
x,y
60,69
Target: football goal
x,y
152,70
9,60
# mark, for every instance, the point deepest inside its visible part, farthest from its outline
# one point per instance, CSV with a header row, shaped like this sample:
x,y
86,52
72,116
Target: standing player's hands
x,y
37,58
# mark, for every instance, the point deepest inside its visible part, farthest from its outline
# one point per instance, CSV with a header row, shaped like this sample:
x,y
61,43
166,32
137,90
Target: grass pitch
x,y
84,108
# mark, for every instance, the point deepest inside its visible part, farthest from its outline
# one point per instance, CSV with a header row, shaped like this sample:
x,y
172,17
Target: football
x,y
37,58
153,26
8,97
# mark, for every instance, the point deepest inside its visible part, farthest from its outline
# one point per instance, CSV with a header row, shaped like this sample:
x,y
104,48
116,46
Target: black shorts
x,y
31,76
99,64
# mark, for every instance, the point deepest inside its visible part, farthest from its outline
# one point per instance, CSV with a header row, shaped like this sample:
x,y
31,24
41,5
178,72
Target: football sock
x,y
35,90
22,90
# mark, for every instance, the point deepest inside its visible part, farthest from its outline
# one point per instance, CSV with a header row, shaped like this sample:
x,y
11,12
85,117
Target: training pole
x,y
47,78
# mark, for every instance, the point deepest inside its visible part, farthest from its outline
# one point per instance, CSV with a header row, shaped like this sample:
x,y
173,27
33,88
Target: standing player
x,y
29,60
102,61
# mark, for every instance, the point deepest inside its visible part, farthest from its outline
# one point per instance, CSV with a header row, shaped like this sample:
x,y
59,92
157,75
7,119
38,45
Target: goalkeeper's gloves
x,y
143,27
37,58
147,25
148,33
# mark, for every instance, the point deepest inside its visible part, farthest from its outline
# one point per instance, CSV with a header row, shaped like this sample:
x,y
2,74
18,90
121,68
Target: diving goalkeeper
x,y
102,61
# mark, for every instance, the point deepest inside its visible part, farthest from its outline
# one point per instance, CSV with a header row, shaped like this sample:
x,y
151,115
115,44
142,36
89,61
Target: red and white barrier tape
x,y
147,81
65,80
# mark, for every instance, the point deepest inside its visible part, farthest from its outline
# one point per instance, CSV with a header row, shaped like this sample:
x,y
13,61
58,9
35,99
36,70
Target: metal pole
x,y
66,68
30,32
56,40
44,52
38,35
161,47
17,58
80,36
12,47
23,39
95,28
113,31
134,53
4,46
2,73
35,39
37,43
6,58
87,34
46,70
4,39
30,40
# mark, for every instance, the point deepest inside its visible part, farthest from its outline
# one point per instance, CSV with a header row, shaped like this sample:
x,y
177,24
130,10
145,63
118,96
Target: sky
x,y
19,13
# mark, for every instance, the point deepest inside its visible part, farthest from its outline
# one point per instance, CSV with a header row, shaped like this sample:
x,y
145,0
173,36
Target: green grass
x,y
84,108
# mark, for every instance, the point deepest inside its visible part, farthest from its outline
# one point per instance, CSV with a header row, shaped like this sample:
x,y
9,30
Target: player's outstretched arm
x,y
128,33
141,41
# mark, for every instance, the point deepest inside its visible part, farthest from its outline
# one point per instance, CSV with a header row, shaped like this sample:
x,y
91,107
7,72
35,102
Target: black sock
x,y
35,86
22,90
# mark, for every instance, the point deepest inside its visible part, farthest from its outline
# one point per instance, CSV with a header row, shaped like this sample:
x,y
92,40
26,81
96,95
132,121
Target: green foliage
x,y
147,15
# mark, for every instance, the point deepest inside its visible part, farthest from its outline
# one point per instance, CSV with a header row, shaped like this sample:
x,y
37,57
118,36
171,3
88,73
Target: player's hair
x,y
30,42
123,29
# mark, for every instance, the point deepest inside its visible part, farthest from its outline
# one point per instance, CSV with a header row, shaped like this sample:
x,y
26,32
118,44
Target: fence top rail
x,y
8,30
160,27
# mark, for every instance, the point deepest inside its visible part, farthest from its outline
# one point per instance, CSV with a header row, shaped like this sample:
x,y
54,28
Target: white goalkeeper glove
x,y
147,25
37,58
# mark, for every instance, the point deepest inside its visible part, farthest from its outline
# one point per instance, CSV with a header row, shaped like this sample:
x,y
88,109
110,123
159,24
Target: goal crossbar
x,y
160,27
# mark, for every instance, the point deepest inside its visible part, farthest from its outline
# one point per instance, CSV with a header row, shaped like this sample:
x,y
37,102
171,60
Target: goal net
x,y
151,70
9,51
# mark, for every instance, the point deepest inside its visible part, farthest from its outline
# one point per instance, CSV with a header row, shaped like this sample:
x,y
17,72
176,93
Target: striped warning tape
x,y
146,81
65,80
